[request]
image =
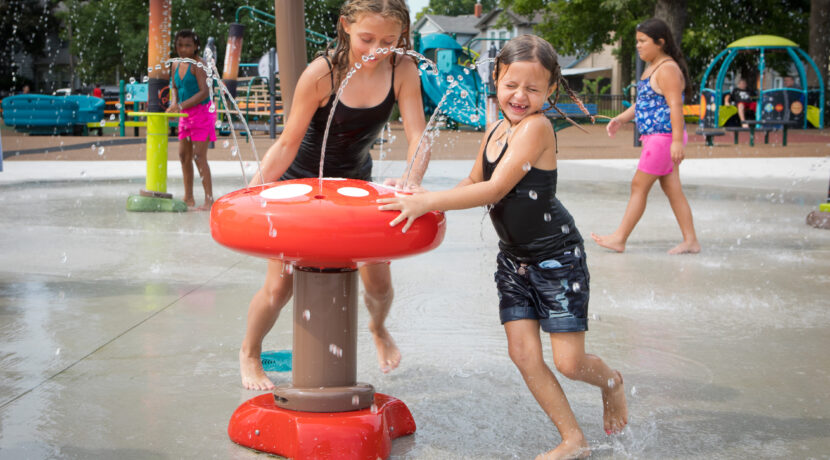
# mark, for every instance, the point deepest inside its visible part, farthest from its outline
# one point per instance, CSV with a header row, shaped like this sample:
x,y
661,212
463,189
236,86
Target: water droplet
x,y
306,315
357,65
226,144
158,66
526,166
117,105
464,93
565,229
132,80
57,352
611,383
112,116
423,66
466,71
595,317
633,390
373,408
103,123
234,151
212,108
450,79
577,252
365,58
547,217
100,151
289,269
461,77
532,194
129,97
576,287
145,79
263,203
474,118
355,400
218,125
149,69
273,233
63,258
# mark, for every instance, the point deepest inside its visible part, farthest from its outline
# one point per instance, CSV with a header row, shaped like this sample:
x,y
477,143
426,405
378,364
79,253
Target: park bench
x,y
43,114
710,134
571,110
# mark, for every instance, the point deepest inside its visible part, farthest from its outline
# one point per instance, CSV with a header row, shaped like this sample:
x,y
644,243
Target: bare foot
x,y
567,450
388,354
615,410
190,202
692,247
253,376
204,207
609,241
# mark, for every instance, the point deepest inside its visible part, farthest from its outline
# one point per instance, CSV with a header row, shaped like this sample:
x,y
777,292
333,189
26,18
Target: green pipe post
x,y
155,197
121,108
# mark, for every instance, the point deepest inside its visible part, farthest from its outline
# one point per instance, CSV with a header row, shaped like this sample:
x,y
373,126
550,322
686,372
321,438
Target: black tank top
x,y
352,133
531,222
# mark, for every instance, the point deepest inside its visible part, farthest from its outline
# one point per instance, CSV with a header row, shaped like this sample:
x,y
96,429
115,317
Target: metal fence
x,y
607,104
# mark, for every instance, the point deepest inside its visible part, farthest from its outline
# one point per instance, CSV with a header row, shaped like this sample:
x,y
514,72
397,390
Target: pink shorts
x,y
199,124
656,157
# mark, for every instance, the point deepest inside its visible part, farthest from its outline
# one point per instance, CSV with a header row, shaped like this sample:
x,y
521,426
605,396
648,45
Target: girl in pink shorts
x,y
190,95
659,115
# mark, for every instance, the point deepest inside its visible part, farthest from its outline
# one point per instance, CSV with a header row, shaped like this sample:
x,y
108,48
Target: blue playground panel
x,y
465,103
42,114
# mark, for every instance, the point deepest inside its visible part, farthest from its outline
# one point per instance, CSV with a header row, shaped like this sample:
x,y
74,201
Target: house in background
x,y
499,25
462,28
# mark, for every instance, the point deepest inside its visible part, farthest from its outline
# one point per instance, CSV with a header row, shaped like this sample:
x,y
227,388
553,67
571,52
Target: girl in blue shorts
x,y
542,276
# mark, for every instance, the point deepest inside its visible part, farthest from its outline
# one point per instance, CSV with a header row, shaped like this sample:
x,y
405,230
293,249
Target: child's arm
x,y
670,80
532,139
615,123
174,93
312,87
412,113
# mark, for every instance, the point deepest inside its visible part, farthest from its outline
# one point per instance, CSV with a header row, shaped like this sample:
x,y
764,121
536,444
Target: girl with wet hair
x,y
367,32
658,112
541,269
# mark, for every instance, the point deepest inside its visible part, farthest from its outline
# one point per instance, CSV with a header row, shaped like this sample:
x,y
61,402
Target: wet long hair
x,y
339,49
188,33
657,30
528,47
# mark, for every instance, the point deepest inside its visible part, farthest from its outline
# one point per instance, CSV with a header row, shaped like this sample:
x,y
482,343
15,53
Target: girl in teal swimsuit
x,y
190,94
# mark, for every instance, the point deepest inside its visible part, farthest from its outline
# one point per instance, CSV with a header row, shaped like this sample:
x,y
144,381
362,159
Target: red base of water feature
x,y
363,434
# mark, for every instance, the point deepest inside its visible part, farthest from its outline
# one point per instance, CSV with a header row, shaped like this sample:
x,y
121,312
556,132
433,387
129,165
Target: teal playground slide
x,y
466,102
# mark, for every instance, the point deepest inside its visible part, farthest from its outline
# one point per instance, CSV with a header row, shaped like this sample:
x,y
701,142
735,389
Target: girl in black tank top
x,y
541,269
351,135
363,28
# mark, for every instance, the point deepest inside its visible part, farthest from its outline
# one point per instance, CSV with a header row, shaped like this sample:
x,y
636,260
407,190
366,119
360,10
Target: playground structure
x,y
791,105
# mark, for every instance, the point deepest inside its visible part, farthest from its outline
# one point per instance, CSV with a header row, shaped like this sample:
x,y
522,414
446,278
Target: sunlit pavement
x,y
119,331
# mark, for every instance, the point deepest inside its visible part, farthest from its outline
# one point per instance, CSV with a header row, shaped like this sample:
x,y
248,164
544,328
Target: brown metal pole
x,y
233,51
290,24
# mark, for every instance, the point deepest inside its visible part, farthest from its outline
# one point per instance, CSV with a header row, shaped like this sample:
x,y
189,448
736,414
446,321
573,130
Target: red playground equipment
x,y
324,227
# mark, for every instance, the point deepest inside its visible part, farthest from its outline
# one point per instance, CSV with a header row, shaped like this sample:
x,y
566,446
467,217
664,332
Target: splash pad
x,y
324,227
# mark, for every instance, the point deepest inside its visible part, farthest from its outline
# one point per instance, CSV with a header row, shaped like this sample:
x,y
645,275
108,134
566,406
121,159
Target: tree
x,y
819,48
27,27
109,37
455,7
583,26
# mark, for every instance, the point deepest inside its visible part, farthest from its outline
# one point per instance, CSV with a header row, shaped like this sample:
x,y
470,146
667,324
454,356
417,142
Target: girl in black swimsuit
x,y
364,28
542,275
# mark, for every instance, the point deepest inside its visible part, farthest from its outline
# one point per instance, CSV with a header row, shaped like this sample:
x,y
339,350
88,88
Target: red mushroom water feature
x,y
324,228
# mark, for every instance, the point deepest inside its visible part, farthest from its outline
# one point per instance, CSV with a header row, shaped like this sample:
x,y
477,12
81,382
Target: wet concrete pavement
x,y
119,331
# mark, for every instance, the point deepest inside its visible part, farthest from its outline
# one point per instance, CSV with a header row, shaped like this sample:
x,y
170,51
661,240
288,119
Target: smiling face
x,y
186,47
522,89
368,33
647,48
